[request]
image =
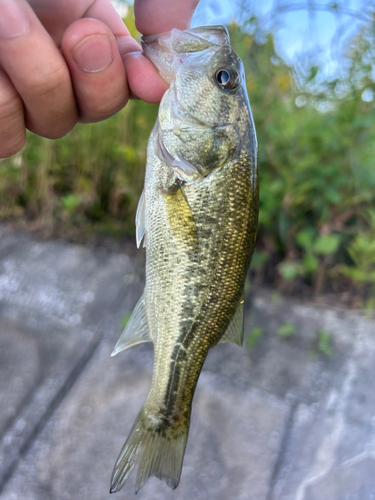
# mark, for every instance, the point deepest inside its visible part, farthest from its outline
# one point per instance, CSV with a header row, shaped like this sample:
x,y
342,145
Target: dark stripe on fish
x,y
178,359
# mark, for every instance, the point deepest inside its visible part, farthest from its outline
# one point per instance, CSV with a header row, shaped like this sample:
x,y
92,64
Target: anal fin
x,y
136,331
234,332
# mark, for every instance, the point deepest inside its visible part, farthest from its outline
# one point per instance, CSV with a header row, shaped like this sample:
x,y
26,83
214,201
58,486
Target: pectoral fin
x,y
136,331
181,218
234,332
140,220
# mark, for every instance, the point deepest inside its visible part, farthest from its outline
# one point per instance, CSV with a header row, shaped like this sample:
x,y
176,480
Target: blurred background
x,y
291,415
311,82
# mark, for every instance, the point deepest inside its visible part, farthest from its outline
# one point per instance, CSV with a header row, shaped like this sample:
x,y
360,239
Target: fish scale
x,y
198,217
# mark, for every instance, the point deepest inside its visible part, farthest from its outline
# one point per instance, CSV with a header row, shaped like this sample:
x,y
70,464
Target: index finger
x,y
157,16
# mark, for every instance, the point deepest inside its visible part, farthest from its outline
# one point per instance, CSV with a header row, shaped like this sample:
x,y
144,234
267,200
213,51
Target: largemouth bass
x,y
198,218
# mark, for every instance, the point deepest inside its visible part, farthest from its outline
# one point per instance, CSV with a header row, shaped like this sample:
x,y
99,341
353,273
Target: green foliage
x,y
290,270
313,247
70,202
89,180
316,157
254,337
324,343
286,331
361,250
326,244
369,304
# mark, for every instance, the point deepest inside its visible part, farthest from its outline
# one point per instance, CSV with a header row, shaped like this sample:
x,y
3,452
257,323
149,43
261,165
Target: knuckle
x,y
44,85
12,145
10,105
55,130
12,129
97,111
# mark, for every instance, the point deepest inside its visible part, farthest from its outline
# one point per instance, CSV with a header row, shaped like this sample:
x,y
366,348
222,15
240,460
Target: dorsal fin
x,y
234,332
136,331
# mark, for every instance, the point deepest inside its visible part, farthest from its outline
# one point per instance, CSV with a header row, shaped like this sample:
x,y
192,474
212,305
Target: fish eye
x,y
227,78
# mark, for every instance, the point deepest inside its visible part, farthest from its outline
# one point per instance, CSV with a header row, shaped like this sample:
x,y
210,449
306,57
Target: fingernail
x,y
13,20
93,53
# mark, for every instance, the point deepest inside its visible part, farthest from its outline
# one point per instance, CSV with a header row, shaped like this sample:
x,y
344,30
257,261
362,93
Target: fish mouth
x,y
216,34
167,50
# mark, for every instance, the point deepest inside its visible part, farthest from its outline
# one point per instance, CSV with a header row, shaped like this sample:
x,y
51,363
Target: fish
x,y
197,218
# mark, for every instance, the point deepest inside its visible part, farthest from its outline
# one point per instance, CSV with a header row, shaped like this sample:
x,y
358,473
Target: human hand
x,y
69,61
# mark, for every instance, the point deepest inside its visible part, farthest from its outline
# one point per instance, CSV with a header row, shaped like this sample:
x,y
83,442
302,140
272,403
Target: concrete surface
x,y
281,421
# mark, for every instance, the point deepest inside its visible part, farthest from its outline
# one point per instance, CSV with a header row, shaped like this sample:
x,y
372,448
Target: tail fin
x,y
159,449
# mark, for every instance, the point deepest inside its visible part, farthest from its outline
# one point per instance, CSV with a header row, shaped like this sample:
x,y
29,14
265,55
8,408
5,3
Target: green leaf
x,y
286,331
310,262
290,270
304,238
70,202
259,258
313,72
324,343
254,336
326,244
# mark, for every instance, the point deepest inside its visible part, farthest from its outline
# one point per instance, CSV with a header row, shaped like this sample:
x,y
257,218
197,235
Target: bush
x,y
317,174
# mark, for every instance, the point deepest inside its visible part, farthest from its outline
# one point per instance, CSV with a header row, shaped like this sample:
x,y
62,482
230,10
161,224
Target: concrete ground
x,y
283,420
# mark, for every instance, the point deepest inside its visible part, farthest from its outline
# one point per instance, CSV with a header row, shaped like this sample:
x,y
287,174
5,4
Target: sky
x,y
299,35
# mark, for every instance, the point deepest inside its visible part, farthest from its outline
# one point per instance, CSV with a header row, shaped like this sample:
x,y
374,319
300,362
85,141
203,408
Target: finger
x,y
104,11
143,79
37,70
12,124
153,17
57,15
96,69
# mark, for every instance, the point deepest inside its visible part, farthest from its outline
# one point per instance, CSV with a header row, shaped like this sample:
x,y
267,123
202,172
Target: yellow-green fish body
x,y
198,217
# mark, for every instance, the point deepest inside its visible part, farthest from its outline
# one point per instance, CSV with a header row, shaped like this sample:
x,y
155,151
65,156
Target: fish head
x,y
204,118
